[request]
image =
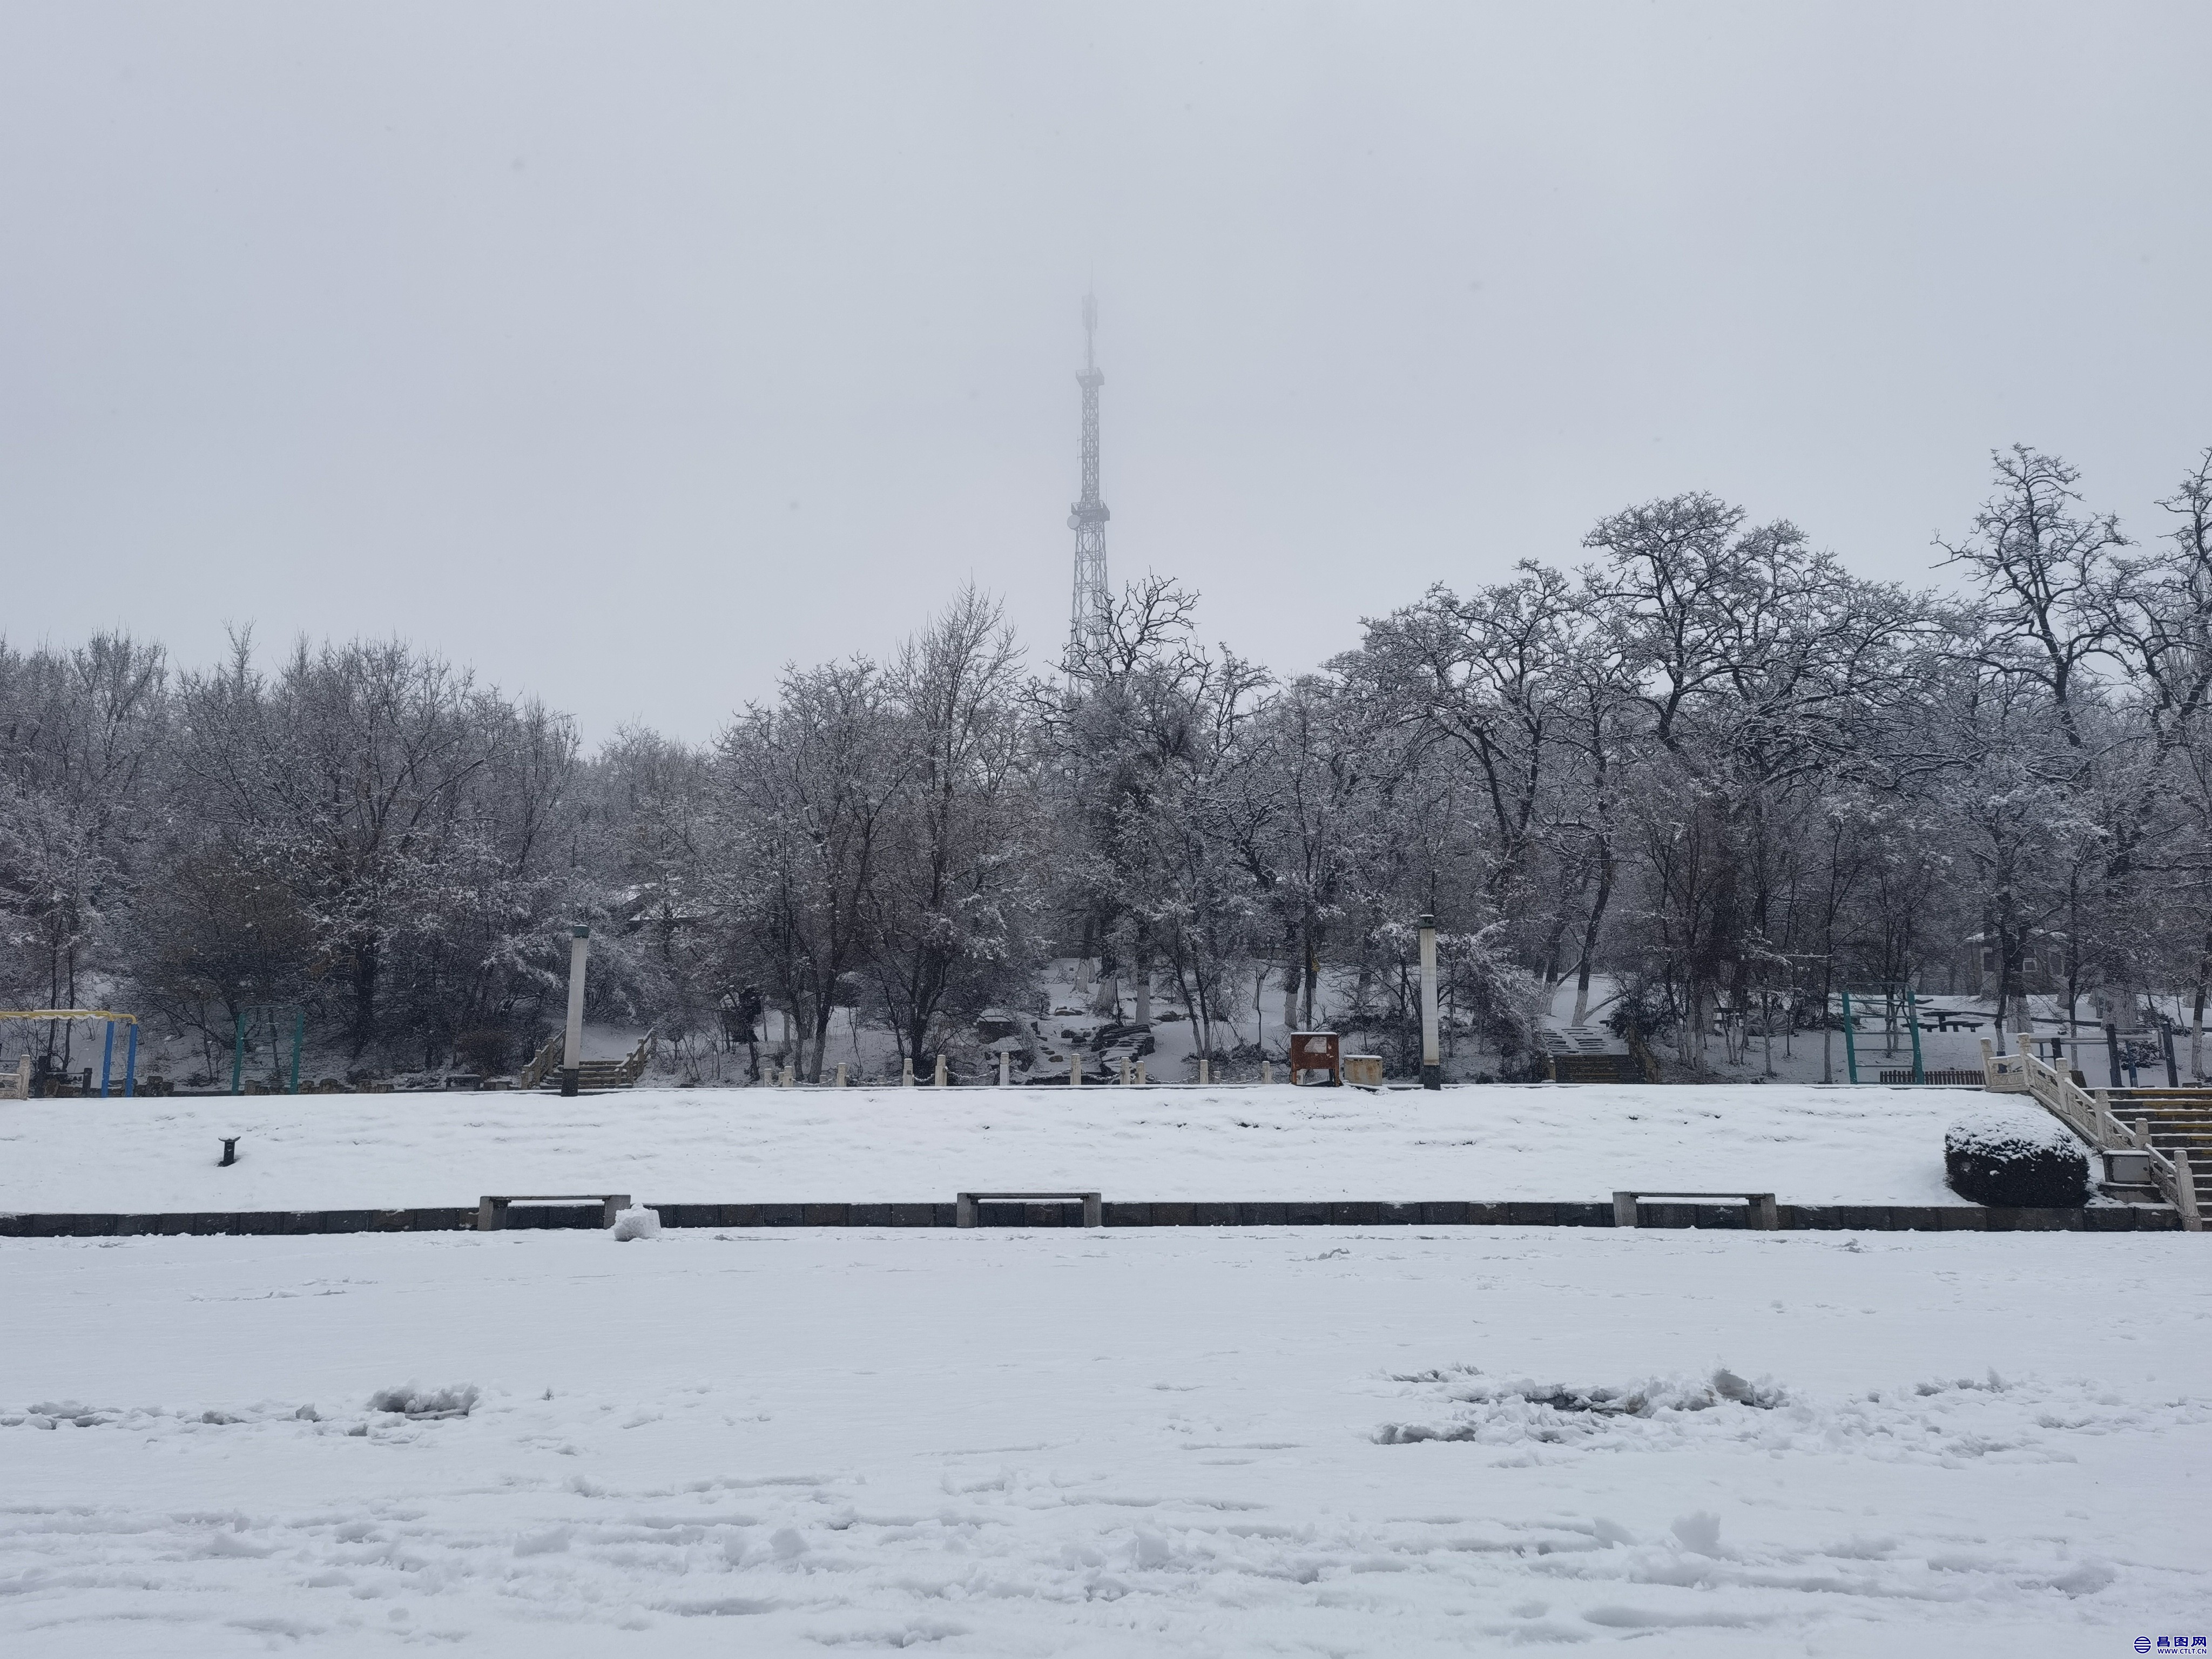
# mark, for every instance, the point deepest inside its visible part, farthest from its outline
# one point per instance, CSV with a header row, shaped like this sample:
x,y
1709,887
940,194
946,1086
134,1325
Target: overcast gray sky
x,y
627,351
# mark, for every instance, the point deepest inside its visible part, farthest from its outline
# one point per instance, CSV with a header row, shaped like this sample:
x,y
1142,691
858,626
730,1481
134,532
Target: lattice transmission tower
x,y
1086,622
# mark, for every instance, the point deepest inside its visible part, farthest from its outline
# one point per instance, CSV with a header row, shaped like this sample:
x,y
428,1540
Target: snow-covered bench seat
x,y
491,1212
1763,1212
1094,1208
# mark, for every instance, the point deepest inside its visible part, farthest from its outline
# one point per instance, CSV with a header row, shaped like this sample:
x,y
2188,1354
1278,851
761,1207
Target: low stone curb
x,y
1793,1218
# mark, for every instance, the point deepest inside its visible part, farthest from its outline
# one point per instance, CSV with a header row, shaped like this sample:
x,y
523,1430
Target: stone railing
x,y
2090,1114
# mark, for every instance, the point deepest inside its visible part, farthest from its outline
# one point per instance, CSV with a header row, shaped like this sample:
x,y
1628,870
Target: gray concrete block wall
x,y
1022,1214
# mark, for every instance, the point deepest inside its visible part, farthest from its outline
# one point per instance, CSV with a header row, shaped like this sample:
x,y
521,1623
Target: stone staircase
x,y
592,1076
1584,1053
2156,1143
595,1075
2174,1120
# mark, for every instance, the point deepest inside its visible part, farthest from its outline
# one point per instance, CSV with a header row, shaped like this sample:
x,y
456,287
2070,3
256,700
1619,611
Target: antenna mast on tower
x,y
1086,625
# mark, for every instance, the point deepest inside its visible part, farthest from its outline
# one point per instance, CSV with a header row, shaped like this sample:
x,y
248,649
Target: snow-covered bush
x,y
2015,1156
639,1223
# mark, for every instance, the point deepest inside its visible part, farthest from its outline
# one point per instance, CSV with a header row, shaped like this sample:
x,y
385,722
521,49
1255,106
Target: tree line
x,y
1696,779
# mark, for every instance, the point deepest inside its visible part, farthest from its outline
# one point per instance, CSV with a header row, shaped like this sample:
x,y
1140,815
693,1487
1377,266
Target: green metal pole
x,y
300,1032
1850,1048
238,1057
1912,1014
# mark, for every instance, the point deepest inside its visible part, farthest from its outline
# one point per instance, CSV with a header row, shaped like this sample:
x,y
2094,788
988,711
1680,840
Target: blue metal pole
x,y
106,1058
298,1035
130,1064
1850,1048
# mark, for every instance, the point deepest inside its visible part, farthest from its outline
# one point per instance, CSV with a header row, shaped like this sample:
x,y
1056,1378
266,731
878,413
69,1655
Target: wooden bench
x,y
491,1213
1763,1214
1094,1210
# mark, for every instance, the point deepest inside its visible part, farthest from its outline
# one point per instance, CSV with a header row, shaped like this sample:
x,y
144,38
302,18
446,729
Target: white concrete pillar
x,y
1432,1058
572,1043
941,1079
905,1073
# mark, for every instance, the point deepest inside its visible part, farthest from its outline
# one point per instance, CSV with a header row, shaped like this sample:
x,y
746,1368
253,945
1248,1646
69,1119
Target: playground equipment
x,y
1899,1006
1893,997
268,1012
108,1046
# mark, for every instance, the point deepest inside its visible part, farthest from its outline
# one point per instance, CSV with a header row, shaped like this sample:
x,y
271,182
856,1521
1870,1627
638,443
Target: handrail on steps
x,y
2090,1116
548,1060
641,1056
541,1064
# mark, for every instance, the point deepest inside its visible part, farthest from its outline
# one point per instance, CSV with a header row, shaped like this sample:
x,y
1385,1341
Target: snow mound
x,y
63,1413
69,1408
1555,1413
639,1223
2012,1154
1944,1421
413,1400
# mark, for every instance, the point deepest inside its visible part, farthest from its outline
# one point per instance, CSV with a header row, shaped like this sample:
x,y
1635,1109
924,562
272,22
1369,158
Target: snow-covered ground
x,y
1808,1145
1119,1443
